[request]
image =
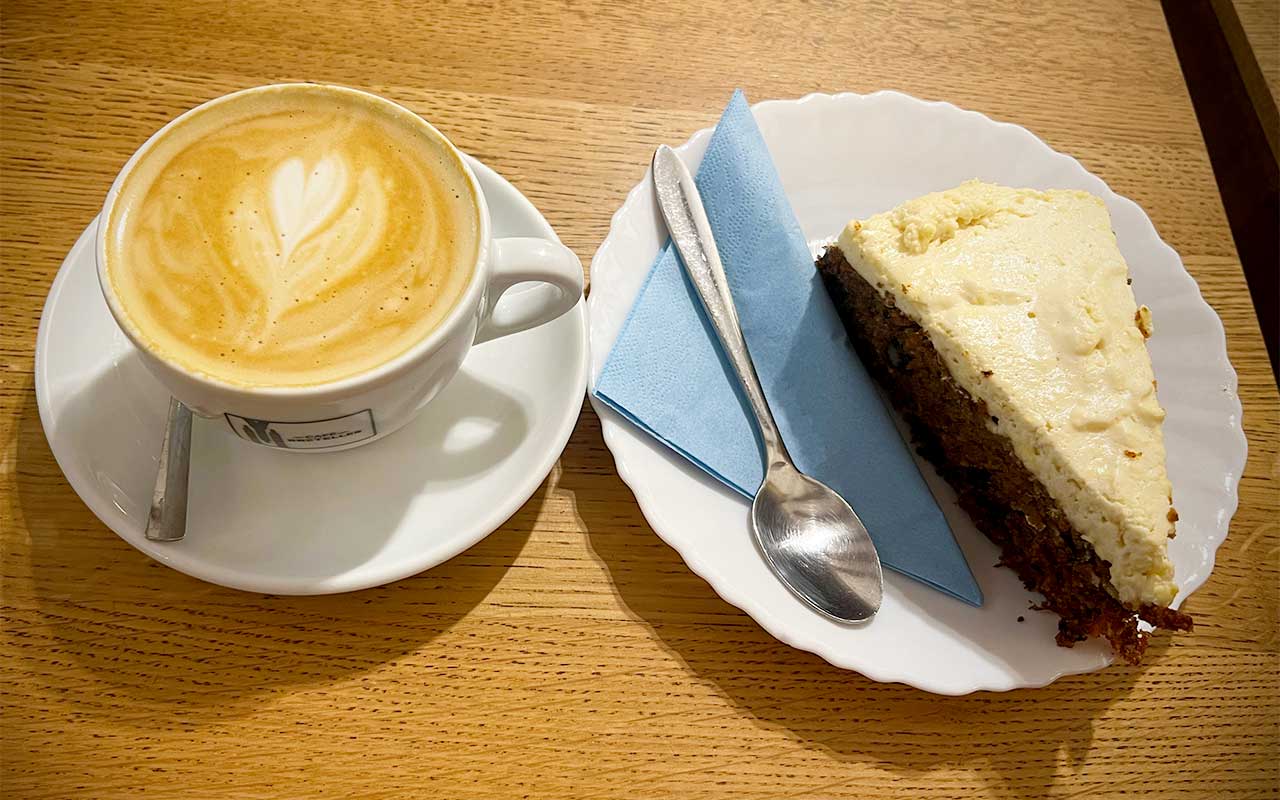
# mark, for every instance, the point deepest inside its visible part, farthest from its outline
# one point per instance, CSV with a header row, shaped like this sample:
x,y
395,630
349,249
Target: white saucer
x,y
284,523
845,156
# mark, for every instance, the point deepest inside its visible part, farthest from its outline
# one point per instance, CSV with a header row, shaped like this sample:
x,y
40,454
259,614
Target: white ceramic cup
x,y
362,408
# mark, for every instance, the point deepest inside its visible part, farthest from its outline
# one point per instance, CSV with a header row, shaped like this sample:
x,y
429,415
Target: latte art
x,y
323,223
303,237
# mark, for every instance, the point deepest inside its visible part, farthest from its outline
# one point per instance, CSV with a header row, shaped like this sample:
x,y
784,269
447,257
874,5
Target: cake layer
x,y
1024,296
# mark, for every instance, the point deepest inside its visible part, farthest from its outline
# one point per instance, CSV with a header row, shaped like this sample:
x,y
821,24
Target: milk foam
x,y
296,237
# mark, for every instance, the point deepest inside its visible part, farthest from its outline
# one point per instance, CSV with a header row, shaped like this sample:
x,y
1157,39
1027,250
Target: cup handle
x,y
519,260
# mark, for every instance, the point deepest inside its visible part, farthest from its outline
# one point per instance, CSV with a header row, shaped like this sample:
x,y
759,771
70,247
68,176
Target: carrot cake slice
x,y
1001,323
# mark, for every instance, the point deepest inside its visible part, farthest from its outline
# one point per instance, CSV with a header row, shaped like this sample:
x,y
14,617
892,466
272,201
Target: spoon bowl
x,y
817,546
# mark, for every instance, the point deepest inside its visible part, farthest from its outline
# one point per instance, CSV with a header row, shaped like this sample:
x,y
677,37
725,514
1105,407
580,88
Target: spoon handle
x,y
690,230
167,521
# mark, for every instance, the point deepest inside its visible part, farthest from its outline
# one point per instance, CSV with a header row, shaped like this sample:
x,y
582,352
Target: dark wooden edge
x,y
1239,121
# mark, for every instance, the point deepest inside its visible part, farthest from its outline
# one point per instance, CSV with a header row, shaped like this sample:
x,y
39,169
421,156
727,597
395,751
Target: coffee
x,y
292,236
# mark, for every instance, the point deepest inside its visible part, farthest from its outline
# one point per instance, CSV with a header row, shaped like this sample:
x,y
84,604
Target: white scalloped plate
x,y
846,156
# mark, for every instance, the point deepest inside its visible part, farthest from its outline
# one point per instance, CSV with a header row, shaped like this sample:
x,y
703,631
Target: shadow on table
x,y
173,644
1011,740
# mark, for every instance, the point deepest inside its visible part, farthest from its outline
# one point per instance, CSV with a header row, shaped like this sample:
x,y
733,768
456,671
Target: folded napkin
x,y
667,375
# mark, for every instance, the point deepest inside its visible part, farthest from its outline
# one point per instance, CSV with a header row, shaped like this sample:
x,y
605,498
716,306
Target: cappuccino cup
x,y
310,264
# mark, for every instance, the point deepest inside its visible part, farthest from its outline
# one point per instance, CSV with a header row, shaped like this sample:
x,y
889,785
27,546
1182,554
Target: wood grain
x,y
572,654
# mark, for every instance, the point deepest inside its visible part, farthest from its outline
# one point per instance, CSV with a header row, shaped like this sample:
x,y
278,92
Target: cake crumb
x,y
1143,318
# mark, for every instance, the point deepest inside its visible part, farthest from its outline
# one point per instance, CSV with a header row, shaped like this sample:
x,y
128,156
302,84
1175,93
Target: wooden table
x,y
572,654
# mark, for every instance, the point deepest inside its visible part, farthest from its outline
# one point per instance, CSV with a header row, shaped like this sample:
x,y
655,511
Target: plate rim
x,y
513,500
613,425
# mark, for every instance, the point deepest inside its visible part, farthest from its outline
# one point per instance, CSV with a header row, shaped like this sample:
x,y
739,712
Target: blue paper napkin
x,y
667,375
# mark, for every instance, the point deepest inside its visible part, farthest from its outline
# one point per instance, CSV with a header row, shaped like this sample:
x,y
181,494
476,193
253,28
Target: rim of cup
x,y
351,384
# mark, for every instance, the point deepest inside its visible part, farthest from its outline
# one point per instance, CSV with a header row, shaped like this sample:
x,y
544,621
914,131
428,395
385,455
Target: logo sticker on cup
x,y
315,435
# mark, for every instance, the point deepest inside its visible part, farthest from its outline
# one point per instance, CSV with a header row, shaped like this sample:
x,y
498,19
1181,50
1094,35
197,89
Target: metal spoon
x,y
808,534
167,521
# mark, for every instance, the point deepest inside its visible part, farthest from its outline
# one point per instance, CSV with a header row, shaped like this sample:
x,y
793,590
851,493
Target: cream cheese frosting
x,y
1025,296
